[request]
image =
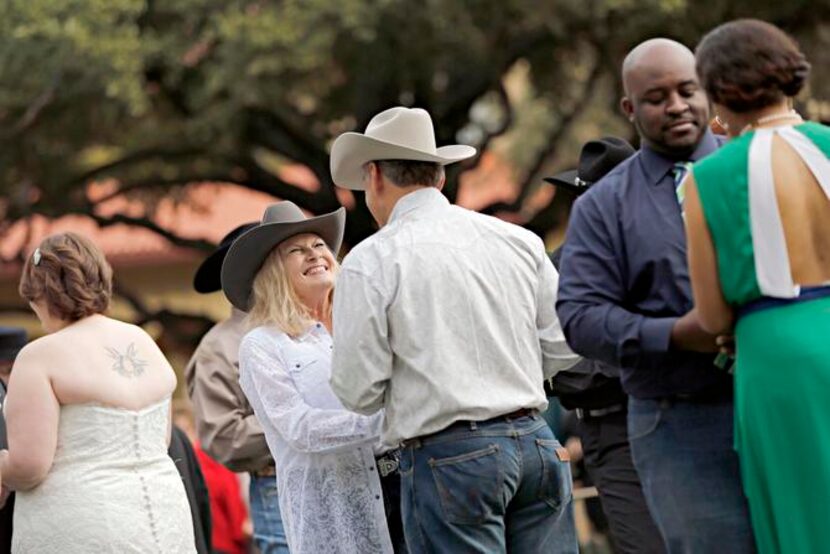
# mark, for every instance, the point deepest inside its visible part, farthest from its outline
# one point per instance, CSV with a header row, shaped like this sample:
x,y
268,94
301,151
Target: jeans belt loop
x,y
413,442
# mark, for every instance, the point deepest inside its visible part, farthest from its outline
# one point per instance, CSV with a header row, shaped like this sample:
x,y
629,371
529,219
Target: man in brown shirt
x,y
225,422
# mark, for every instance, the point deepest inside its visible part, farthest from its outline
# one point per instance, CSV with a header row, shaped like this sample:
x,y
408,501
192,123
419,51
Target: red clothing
x,y
228,512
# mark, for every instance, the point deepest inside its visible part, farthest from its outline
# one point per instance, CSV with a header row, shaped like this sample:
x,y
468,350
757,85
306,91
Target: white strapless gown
x,y
111,489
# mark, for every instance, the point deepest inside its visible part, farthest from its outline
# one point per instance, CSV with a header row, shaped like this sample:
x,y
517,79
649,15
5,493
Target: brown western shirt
x,y
225,421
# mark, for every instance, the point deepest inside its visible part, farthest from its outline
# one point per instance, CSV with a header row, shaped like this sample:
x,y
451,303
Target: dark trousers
x,y
391,487
608,460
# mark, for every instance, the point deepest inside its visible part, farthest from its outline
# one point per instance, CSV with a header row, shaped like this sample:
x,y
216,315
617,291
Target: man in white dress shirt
x,y
446,318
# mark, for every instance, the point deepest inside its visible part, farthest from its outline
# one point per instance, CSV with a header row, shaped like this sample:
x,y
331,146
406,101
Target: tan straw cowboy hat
x,y
280,221
395,134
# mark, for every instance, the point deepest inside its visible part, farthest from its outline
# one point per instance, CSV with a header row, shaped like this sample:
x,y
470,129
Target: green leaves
x,y
156,94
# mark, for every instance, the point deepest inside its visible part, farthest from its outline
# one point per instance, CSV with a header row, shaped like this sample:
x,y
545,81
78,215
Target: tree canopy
x,y
156,95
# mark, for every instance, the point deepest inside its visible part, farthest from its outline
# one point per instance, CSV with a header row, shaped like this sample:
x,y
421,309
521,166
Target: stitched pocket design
x,y
556,488
469,485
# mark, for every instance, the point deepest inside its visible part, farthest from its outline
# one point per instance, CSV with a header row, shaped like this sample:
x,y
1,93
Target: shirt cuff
x,y
655,334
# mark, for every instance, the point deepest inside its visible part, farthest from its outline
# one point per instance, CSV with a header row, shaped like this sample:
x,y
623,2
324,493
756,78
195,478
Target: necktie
x,y
679,171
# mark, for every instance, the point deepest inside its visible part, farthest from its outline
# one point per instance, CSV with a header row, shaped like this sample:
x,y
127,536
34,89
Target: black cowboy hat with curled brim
x,y
208,276
280,221
12,339
597,158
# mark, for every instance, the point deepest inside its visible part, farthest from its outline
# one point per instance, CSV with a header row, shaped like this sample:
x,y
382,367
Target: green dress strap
x,y
722,181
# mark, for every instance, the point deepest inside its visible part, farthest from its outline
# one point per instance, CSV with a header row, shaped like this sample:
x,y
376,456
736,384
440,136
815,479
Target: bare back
x,y
805,215
109,362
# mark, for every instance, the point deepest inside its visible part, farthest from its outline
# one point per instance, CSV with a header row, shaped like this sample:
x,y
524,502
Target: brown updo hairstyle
x,y
70,274
750,64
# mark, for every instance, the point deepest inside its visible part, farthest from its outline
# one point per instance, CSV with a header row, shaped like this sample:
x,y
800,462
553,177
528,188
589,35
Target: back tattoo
x,y
127,364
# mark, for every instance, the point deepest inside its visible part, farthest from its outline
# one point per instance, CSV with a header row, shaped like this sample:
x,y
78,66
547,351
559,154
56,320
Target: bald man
x,y
625,299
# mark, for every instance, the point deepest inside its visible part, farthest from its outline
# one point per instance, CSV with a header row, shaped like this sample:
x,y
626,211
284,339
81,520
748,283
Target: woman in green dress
x,y
758,223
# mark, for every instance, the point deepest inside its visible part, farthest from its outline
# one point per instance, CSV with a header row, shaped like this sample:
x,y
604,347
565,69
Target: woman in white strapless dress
x,y
88,416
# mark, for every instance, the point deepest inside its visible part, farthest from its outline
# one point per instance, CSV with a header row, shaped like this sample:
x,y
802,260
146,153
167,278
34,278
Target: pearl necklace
x,y
792,114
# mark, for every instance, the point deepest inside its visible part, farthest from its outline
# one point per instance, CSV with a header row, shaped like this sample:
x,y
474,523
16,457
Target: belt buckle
x,y
387,464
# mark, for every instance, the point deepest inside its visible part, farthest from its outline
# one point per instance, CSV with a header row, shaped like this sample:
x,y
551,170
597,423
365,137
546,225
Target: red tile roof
x,y
194,216
209,210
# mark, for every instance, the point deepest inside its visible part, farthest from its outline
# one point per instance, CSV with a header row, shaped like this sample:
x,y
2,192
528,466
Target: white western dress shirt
x,y
445,315
329,489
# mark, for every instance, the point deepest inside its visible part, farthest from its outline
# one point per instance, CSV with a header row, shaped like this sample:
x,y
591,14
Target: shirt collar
x,y
316,330
657,165
423,197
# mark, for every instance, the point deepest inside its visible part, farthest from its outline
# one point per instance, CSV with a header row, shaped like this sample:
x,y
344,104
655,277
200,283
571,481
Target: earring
x,y
721,123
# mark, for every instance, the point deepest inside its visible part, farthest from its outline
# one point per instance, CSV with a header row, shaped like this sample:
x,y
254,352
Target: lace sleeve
x,y
275,399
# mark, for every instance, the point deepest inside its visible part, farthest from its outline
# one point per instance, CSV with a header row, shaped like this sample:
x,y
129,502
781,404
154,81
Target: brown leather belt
x,y
521,412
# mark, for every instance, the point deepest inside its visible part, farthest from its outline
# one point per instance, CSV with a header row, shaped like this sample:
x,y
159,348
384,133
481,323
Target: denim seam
x,y
438,462
414,507
520,450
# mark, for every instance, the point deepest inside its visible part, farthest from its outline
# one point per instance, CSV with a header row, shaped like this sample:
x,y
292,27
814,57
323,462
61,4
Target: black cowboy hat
x,y
280,221
12,339
596,159
208,276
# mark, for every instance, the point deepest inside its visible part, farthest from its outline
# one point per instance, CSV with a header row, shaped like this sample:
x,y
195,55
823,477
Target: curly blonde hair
x,y
70,273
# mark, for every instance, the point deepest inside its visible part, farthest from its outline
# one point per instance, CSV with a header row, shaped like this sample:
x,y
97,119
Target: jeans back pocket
x,y
556,487
469,485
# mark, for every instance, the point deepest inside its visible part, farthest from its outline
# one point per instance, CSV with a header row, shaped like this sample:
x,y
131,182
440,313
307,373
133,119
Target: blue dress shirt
x,y
625,280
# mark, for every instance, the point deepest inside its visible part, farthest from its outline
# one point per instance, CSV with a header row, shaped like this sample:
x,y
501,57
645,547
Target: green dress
x,y
782,375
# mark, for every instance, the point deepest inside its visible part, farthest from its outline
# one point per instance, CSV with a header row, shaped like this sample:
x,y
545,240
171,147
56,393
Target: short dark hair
x,y
406,173
750,64
70,274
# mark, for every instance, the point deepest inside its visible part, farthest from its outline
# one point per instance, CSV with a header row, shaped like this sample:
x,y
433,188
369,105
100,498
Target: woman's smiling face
x,y
309,265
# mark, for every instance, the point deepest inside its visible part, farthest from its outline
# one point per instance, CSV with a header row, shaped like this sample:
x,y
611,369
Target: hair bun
x,y
799,74
748,64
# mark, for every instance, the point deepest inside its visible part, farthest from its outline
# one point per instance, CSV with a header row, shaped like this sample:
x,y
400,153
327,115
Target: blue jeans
x,y
269,535
488,487
688,468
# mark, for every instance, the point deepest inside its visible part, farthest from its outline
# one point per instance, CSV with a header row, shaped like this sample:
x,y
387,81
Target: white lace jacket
x,y
329,489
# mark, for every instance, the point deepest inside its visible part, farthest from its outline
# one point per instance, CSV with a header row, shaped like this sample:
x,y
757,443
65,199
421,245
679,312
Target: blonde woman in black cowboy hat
x,y
282,273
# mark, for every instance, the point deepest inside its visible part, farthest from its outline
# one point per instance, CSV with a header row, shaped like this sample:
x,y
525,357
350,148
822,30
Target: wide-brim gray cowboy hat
x,y
280,221
394,134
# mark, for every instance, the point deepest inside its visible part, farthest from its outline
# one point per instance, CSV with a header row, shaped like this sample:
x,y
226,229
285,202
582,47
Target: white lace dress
x,y
330,495
112,488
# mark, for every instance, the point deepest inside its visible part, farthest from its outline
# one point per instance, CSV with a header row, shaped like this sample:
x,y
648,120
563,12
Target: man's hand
x,y
687,334
726,344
